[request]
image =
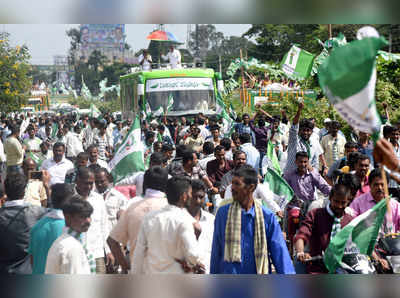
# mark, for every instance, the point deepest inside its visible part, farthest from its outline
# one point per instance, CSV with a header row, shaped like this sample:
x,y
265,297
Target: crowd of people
x,y
201,205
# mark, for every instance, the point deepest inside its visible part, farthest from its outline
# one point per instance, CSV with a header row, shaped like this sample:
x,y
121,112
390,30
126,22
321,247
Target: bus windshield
x,y
190,95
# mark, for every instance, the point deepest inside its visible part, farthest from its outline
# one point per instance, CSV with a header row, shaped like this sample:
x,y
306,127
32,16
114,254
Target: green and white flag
x,y
281,189
226,119
54,130
170,102
348,78
94,111
336,42
271,154
297,63
85,92
362,231
232,112
129,156
159,111
146,111
35,158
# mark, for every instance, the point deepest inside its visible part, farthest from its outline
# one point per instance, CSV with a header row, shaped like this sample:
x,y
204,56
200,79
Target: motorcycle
x,y
352,263
389,248
356,263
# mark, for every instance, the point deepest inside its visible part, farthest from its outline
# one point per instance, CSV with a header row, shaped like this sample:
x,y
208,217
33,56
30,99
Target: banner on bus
x,y
176,84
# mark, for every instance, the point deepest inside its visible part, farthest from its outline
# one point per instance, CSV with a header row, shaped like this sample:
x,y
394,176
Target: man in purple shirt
x,y
261,134
304,179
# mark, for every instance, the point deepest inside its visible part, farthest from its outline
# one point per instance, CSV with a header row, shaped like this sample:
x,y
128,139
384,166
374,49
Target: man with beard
x,y
299,140
195,207
320,226
368,200
95,238
115,201
58,166
247,236
362,170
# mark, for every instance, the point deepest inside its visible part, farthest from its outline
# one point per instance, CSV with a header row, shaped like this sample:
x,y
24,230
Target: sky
x,y
47,40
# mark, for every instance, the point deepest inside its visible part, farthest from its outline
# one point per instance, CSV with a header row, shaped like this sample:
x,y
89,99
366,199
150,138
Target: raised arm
x,y
297,116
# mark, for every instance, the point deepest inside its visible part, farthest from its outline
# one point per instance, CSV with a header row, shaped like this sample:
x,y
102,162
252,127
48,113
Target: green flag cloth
x,y
159,111
146,110
226,119
85,92
388,56
362,231
170,102
54,130
94,111
336,42
271,154
232,112
36,159
129,156
282,190
297,63
348,78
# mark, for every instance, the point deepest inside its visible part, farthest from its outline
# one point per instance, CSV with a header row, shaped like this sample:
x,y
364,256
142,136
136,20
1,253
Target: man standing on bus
x,y
174,57
145,60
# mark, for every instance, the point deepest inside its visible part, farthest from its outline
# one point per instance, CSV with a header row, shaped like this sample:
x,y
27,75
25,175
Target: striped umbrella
x,y
162,36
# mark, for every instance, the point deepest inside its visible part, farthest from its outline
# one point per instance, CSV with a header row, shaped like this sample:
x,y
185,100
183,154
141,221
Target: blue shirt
x,y
242,128
43,234
277,248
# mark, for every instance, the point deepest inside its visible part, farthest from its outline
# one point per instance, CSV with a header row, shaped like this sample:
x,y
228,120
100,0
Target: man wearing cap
x,y
325,130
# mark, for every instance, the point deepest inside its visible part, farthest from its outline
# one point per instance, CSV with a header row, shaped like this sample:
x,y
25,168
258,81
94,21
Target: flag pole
x,y
241,70
386,191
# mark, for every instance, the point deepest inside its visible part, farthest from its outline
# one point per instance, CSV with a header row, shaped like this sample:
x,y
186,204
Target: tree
x,y
228,50
274,41
14,80
113,71
39,76
96,60
207,38
75,35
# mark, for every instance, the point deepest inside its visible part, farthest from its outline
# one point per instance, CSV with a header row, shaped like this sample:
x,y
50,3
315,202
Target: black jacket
x,y
15,226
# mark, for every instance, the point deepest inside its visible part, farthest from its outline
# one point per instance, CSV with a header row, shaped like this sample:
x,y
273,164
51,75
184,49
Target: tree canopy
x,y
14,80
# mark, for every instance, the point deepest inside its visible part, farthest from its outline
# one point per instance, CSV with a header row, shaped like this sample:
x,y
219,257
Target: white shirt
x,y
204,132
203,162
42,132
165,235
115,202
101,163
206,237
135,179
73,144
56,170
33,144
2,155
253,156
174,58
95,238
67,256
88,135
146,63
